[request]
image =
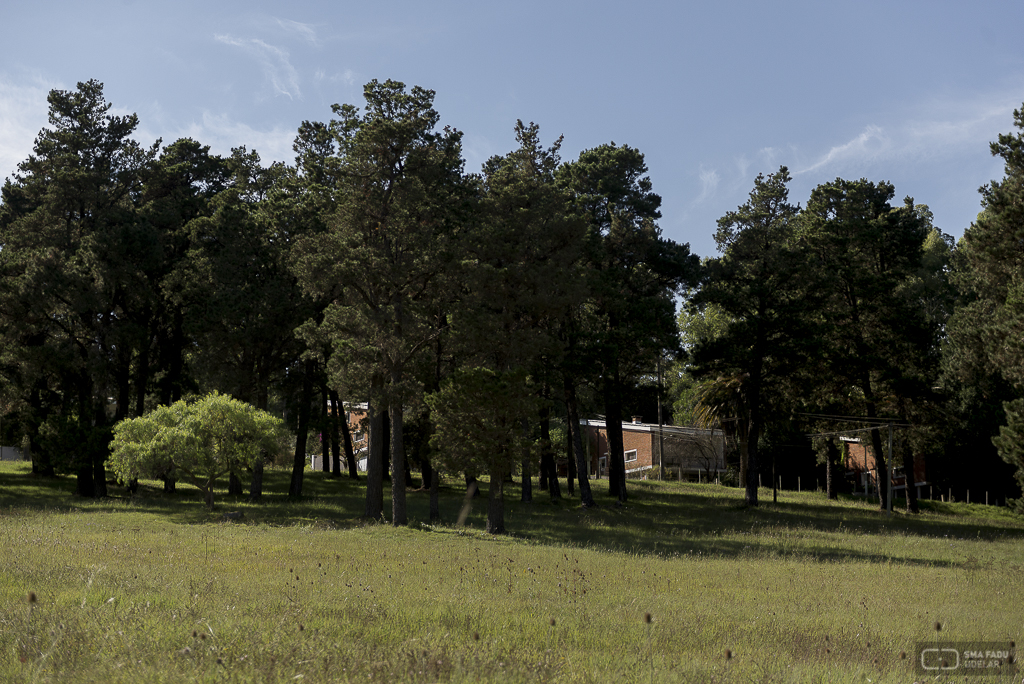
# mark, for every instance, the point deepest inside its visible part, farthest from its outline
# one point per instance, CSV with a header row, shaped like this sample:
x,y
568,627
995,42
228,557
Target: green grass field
x,y
158,589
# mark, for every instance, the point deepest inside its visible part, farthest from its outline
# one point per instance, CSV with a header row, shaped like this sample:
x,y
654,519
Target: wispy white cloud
x,y
870,145
306,31
23,113
949,129
277,67
709,180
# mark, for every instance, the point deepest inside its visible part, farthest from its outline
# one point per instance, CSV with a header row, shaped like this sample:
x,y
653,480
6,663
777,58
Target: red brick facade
x,y
688,452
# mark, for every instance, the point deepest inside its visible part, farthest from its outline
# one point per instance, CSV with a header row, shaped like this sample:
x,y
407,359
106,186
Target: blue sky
x,y
712,93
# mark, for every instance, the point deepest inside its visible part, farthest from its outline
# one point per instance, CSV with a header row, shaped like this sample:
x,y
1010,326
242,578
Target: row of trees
x,y
467,306
471,310
852,312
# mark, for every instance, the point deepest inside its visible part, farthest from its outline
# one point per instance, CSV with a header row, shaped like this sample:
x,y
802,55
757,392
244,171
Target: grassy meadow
x,y
683,584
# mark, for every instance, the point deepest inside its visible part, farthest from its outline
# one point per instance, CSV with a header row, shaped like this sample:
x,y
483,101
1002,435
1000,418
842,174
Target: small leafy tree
x,y
199,441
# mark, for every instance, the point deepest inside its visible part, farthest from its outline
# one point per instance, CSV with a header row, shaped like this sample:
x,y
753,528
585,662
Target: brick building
x,y
861,467
689,453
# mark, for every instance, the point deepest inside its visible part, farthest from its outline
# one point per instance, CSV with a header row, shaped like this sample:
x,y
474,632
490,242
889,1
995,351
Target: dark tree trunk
x,y
235,485
496,501
908,468
527,490
753,434
426,472
142,377
882,467
582,467
299,462
548,470
256,483
613,423
124,385
85,484
325,432
570,465
542,473
334,418
350,456
386,444
831,459
42,464
398,510
375,458
99,456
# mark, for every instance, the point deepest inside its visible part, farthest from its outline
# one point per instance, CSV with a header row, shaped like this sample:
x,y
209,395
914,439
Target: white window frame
x,y
626,457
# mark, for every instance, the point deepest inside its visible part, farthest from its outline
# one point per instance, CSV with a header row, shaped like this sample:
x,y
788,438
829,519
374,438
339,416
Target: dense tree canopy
x,y
461,305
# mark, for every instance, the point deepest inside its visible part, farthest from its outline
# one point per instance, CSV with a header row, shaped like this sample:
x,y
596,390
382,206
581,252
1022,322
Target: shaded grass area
x,y
156,588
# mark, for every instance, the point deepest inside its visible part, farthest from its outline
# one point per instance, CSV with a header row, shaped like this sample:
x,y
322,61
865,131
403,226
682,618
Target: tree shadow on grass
x,y
660,519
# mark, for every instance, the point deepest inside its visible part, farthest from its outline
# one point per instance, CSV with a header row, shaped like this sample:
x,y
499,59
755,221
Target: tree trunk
x,y
753,434
831,458
256,482
613,426
85,484
496,500
299,462
350,456
741,443
570,465
208,497
882,467
750,496
42,463
334,418
398,510
582,467
142,376
526,495
426,472
325,431
908,468
375,457
235,485
386,444
548,469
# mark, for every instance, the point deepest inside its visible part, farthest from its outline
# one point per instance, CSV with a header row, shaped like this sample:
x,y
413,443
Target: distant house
x,y
357,417
862,468
689,453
